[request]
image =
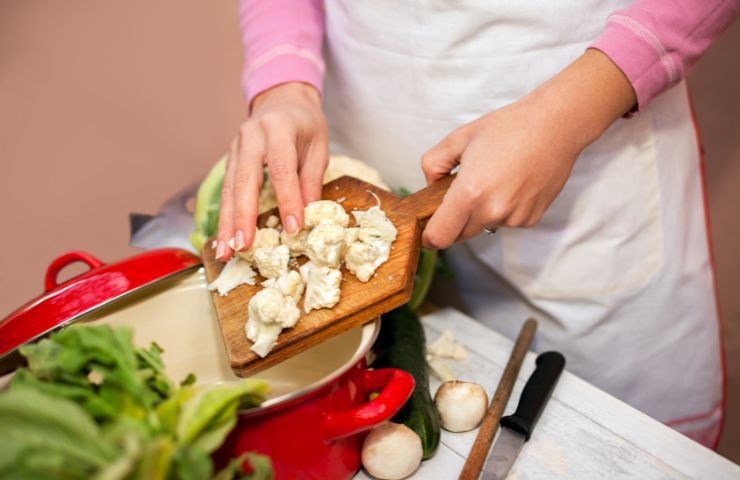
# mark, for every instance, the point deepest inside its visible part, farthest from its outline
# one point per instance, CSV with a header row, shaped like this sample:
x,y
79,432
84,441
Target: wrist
x,y
586,97
291,92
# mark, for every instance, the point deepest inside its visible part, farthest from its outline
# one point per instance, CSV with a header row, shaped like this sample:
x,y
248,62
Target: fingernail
x,y
220,249
291,225
239,240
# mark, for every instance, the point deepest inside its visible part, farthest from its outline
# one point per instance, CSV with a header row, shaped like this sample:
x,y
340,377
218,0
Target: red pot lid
x,y
63,303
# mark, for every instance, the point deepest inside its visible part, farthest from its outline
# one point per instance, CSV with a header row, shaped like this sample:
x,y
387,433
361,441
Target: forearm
x,y
656,42
584,99
282,43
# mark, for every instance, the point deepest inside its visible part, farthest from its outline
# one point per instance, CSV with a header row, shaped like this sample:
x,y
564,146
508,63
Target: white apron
x,y
618,269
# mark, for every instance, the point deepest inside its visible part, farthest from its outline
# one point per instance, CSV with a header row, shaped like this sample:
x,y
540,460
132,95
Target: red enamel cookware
x,y
312,424
65,302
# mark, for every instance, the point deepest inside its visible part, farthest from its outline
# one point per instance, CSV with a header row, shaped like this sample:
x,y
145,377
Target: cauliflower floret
x,y
269,312
446,346
290,284
325,245
235,272
272,221
340,165
272,261
351,235
296,243
363,259
374,225
263,237
324,212
322,286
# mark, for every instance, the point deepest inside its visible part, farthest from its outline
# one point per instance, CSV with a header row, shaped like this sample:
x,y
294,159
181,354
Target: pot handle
x,y
67,259
395,388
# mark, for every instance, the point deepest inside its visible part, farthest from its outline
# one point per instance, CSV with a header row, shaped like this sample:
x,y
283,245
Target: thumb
x,y
439,160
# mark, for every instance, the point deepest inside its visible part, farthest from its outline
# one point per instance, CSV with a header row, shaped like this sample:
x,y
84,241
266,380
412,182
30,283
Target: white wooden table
x,y
584,433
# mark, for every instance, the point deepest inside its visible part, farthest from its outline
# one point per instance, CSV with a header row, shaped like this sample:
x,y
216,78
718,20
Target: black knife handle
x,y
535,394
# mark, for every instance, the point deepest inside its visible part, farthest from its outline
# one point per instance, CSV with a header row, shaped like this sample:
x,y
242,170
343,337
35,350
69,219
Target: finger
x,y
247,184
282,164
439,160
449,219
311,175
226,209
477,223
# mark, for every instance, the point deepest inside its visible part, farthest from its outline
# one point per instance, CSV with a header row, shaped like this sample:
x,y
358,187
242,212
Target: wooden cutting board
x,y
360,302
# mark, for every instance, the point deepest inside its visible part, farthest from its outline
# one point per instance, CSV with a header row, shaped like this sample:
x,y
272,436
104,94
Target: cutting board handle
x,y
425,202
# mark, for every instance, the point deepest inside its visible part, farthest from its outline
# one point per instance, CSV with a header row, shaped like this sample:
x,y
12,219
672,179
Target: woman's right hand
x,y
286,131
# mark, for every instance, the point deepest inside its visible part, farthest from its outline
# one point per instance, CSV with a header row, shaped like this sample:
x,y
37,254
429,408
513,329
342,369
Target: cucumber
x,y
401,344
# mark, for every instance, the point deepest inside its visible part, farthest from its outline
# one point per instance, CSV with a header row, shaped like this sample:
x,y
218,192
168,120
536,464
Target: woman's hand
x,y
514,161
286,131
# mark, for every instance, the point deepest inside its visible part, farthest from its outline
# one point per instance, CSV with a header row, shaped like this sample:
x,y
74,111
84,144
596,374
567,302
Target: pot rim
x,y
370,332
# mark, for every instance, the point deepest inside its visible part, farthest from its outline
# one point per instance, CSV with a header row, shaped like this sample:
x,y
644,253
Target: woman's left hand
x,y
514,161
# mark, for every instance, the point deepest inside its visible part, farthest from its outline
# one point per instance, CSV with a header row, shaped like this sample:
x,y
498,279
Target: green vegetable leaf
x,y
203,420
49,437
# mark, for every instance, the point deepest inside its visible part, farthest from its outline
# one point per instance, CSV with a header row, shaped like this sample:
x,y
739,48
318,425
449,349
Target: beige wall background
x,y
109,107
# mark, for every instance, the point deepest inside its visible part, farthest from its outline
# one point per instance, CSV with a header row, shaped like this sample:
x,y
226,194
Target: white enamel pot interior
x,y
178,315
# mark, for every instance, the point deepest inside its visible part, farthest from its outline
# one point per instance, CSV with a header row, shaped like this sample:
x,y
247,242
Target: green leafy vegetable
x,y
92,405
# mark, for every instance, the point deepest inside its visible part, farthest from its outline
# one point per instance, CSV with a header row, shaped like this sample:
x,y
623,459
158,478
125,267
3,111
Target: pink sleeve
x,y
282,43
656,42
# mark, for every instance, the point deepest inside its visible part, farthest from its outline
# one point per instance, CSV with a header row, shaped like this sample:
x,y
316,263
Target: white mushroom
x,y
391,451
235,272
272,261
461,405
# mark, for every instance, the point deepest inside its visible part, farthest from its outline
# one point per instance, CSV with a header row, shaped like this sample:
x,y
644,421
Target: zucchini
x,y
401,344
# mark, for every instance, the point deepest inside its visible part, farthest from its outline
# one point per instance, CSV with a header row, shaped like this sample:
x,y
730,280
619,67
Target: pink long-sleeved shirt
x,y
654,42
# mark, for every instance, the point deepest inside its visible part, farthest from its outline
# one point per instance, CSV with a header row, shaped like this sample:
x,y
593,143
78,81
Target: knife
x,y
517,428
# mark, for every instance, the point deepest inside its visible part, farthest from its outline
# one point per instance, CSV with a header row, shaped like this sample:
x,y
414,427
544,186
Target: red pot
x,y
313,424
318,434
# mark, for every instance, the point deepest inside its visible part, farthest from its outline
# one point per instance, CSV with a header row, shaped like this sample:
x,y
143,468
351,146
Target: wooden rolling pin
x,y
479,452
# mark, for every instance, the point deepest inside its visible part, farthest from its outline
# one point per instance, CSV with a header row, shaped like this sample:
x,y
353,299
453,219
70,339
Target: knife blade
x,y
517,428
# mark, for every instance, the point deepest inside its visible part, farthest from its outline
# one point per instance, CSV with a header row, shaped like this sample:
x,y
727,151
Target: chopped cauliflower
x,y
296,242
290,284
440,369
324,212
375,233
351,235
339,165
272,261
325,245
263,237
269,312
362,259
236,272
446,346
322,286
272,221
374,225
